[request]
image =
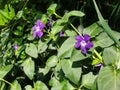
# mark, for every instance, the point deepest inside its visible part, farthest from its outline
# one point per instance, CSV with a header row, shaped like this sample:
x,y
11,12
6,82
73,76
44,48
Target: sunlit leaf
x,y
29,68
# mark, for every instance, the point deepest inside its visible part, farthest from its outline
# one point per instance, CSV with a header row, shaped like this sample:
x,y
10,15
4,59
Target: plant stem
x,y
6,81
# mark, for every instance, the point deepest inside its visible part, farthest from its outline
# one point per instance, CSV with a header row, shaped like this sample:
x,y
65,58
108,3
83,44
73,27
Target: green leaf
x,y
111,55
108,79
31,50
93,30
44,70
40,86
42,46
58,26
6,14
29,68
103,40
66,48
73,74
88,80
16,86
51,9
28,87
63,85
19,14
77,55
52,61
4,70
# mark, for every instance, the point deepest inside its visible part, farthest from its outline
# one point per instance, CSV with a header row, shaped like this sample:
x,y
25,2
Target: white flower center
x,y
83,43
37,29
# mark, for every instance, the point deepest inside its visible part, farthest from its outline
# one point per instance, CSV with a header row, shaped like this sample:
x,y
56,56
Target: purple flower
x,y
83,42
61,34
38,29
49,24
15,47
99,65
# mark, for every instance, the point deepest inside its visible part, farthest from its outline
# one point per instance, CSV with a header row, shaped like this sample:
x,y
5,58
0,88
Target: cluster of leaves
x,y
51,62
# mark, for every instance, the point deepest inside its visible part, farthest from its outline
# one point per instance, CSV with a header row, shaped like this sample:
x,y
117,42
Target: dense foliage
x,y
59,45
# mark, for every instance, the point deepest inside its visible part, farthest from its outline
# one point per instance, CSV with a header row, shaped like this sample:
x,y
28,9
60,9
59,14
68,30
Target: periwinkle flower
x,y
99,65
49,24
61,34
38,29
84,43
16,47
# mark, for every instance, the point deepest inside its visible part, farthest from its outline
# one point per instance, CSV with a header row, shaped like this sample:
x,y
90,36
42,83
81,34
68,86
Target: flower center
x,y
83,43
37,29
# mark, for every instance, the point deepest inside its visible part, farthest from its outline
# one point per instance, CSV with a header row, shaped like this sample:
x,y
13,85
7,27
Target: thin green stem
x,y
70,24
6,82
79,88
98,55
75,29
57,15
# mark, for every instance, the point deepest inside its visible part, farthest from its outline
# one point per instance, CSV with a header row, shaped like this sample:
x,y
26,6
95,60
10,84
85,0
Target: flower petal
x,y
34,34
42,26
34,28
79,38
38,22
89,45
77,45
86,37
39,33
83,50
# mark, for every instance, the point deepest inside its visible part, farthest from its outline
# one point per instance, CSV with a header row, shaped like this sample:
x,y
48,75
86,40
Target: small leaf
x,y
93,30
103,40
52,61
4,70
66,48
31,50
88,80
16,86
42,46
77,55
111,55
51,9
29,68
73,74
40,86
20,14
28,87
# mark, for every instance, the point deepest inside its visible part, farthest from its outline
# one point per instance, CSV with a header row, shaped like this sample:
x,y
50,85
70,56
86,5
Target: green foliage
x,y
52,62
110,75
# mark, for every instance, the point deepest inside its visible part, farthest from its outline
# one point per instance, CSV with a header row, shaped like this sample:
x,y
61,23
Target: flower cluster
x,y
38,29
83,42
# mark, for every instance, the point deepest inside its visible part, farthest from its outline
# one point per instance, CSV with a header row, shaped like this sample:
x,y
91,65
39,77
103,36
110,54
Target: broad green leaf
x,y
16,86
111,55
4,70
73,74
108,79
66,48
77,55
29,68
42,46
51,9
93,30
88,80
40,86
28,87
52,61
64,85
103,40
31,50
